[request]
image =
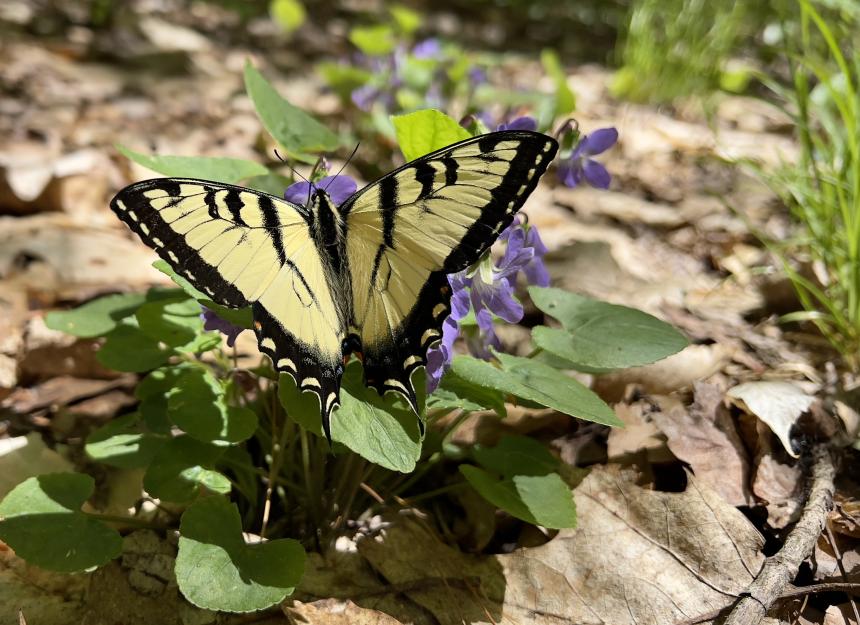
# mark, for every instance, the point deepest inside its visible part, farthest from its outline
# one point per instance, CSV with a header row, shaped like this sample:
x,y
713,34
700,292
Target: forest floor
x,y
680,507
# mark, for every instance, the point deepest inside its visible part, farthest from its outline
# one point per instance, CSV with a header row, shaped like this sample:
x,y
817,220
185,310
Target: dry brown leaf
x,y
638,557
704,436
677,372
637,435
335,612
777,403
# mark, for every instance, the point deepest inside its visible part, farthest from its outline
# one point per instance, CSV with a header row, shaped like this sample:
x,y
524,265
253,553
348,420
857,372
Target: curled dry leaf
x,y
638,557
777,403
704,436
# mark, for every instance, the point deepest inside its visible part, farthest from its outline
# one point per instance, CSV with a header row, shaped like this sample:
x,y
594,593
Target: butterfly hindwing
x,y
245,248
433,216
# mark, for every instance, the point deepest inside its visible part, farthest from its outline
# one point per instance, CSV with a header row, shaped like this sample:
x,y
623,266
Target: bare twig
x,y
780,569
850,589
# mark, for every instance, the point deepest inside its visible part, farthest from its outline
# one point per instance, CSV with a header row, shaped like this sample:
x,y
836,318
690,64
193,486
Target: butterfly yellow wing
x,y
245,248
406,232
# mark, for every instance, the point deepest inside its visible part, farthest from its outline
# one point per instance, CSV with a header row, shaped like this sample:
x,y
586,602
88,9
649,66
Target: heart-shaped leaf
x,y
42,521
182,468
128,348
197,405
601,336
217,570
540,499
122,443
95,318
426,131
380,429
175,321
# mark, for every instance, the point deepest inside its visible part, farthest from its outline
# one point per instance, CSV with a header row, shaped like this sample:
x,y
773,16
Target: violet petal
x,y
339,188
596,174
600,140
298,193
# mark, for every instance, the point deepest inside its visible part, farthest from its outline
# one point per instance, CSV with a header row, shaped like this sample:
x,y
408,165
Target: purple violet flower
x,y
525,236
211,322
339,188
439,357
427,49
524,122
579,165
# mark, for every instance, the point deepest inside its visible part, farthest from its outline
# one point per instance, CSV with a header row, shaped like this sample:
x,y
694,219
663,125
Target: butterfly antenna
x,y
292,169
343,166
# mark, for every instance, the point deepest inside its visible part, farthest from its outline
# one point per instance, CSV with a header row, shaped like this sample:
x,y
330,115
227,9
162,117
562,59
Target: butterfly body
x,y
326,280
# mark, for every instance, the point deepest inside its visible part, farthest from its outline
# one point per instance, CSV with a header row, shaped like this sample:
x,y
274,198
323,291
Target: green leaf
x,y
602,336
175,321
343,79
122,443
182,468
290,126
303,408
95,318
426,131
217,570
152,393
373,40
271,183
288,14
456,392
242,317
406,19
197,405
219,169
565,101
379,429
516,455
536,382
43,523
539,499
127,348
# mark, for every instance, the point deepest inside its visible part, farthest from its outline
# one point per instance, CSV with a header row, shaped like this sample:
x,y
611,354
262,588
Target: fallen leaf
x,y
637,435
677,372
638,557
704,436
335,612
777,403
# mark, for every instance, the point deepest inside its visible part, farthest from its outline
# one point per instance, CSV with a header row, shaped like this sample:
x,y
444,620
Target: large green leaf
x,y
516,455
601,336
95,318
373,40
198,405
183,468
128,348
536,382
123,443
426,131
175,321
219,169
380,429
217,570
540,499
290,126
42,521
457,392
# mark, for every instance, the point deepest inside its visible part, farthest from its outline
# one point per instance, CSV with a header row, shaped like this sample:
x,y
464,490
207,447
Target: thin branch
x,y
850,589
780,569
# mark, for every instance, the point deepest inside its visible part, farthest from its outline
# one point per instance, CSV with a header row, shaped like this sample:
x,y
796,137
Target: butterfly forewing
x,y
244,248
406,232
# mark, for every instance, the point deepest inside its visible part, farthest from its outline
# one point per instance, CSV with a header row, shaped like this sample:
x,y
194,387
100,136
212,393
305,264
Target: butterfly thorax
x,y
326,221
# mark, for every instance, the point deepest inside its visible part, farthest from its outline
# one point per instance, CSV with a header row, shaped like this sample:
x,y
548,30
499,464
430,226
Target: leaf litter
x,y
641,553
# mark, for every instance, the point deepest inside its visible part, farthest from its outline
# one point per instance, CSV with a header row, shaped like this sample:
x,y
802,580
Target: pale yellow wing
x,y
245,248
407,231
